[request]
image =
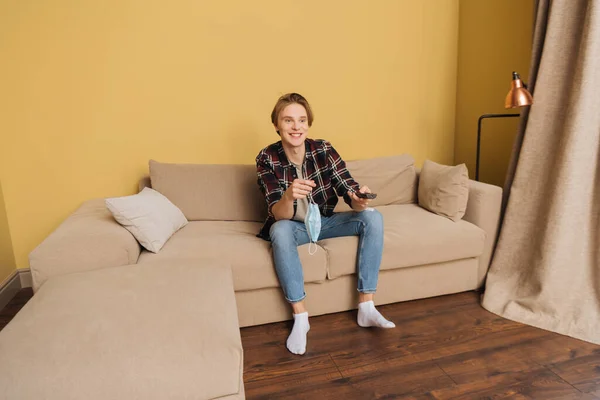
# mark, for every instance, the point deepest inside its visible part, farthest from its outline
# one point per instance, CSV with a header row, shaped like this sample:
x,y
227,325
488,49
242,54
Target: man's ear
x,y
277,129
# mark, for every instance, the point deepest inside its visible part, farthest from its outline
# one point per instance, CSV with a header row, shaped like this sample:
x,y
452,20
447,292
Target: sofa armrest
x,y
483,210
88,239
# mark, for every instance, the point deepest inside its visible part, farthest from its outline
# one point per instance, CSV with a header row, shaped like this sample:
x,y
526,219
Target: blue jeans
x,y
287,235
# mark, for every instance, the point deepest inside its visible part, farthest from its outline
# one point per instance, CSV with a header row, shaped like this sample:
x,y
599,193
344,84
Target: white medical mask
x,y
312,220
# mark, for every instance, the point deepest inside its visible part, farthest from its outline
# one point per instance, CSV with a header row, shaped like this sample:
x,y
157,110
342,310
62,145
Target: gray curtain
x,y
546,267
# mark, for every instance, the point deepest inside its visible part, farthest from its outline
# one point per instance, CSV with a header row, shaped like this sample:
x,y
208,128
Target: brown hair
x,y
285,101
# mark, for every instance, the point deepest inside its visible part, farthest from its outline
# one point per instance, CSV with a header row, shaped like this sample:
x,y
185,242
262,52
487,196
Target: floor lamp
x,y
518,96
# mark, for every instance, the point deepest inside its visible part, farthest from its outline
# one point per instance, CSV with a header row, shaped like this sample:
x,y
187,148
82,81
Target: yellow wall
x,y
93,89
7,258
494,40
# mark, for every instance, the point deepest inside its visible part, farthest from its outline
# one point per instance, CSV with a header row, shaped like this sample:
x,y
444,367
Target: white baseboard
x,y
9,288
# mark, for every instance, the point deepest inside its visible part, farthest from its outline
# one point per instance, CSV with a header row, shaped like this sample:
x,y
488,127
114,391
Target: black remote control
x,y
369,196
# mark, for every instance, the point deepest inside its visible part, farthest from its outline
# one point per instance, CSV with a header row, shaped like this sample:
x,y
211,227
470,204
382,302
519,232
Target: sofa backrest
x,y
393,178
206,192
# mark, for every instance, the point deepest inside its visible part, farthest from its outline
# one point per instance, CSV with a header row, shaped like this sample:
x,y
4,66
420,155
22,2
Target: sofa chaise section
x,y
131,332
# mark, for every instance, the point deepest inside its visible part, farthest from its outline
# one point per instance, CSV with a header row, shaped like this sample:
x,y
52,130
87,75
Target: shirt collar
x,y
308,154
282,157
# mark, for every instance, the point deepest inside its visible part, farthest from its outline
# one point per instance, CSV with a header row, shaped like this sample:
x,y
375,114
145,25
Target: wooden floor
x,y
442,348
446,347
13,307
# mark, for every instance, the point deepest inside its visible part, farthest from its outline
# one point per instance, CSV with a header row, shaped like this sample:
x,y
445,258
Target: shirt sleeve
x,y
341,179
267,181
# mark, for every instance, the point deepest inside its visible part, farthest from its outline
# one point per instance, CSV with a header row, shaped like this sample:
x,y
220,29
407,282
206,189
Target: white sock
x,y
296,342
369,316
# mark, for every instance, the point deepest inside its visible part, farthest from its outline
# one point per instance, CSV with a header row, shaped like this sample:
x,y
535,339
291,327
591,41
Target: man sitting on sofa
x,y
301,180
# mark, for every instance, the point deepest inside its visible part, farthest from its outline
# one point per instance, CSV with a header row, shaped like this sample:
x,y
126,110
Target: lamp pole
x,y
484,116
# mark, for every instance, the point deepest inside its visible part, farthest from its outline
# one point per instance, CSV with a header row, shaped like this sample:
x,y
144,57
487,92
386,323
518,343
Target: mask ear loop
x,y
310,252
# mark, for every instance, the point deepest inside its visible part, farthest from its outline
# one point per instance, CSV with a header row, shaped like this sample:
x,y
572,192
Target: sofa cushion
x,y
211,192
133,332
444,189
412,236
150,217
236,244
394,179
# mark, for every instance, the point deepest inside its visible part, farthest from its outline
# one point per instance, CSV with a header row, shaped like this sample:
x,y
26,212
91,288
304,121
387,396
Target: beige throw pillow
x,y
444,190
150,217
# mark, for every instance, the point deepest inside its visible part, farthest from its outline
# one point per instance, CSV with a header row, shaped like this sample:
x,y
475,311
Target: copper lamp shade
x,y
518,96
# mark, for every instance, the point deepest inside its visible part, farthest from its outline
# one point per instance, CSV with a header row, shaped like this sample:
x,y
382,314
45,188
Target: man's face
x,y
292,125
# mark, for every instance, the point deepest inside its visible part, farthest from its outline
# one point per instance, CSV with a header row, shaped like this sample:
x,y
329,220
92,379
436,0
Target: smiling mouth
x,y
295,134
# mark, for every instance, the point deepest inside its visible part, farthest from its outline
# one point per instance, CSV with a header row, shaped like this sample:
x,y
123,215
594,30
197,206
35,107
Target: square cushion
x,y
393,178
135,332
412,236
251,258
150,217
444,189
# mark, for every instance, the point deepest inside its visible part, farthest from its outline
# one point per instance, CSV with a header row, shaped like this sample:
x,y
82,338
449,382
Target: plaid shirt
x,y
322,164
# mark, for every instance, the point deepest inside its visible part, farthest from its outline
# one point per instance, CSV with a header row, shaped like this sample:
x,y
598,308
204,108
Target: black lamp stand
x,y
484,116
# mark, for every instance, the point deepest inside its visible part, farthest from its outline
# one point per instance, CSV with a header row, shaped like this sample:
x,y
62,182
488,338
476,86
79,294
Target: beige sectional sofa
x,y
424,254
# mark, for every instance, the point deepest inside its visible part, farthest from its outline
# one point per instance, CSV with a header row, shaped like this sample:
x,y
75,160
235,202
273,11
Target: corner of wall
x,y
7,255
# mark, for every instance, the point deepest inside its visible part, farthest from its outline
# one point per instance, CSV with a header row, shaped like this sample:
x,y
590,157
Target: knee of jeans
x,y
282,229
372,218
